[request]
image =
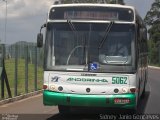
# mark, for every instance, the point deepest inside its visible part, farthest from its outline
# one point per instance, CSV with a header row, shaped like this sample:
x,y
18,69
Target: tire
x,y
64,109
144,91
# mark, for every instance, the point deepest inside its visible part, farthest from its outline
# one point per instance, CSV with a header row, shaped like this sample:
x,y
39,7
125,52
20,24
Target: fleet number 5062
x,y
119,80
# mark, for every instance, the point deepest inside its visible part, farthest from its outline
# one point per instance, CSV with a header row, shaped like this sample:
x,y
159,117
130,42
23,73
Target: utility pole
x,y
5,31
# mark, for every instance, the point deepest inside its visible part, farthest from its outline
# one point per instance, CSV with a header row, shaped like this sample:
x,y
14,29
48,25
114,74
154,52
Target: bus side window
x,y
138,41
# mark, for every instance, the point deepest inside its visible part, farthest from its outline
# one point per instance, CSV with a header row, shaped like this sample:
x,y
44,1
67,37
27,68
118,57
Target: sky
x,y
25,17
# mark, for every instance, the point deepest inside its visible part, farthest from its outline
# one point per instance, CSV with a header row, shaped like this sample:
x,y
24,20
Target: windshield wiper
x,y
108,29
72,26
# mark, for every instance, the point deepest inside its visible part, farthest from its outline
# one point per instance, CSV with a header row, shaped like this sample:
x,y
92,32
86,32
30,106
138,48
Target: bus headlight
x,y
116,90
52,87
60,88
124,90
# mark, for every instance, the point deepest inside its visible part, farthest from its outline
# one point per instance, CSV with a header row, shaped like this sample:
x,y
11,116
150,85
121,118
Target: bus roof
x,y
93,4
88,5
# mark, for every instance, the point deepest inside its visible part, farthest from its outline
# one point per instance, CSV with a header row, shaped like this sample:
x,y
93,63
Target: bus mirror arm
x,y
43,26
40,37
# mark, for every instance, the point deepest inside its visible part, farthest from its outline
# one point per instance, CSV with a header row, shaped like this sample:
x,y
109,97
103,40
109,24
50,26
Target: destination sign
x,y
96,15
91,13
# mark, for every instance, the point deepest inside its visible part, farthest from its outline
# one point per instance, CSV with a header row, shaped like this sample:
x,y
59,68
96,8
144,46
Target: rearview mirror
x,y
39,40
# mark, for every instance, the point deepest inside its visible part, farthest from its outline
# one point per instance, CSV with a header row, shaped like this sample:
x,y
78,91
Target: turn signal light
x,y
45,87
133,90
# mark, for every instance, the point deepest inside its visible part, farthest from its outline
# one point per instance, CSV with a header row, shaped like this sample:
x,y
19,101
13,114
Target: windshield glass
x,y
72,46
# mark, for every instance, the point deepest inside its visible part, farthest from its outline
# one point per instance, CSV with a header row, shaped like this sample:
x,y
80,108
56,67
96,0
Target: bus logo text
x,y
87,80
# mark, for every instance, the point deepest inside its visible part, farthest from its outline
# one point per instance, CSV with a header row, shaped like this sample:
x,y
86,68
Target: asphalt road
x,y
33,109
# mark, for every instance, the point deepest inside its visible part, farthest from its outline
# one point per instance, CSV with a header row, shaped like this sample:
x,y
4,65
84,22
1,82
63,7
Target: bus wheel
x,y
64,109
144,91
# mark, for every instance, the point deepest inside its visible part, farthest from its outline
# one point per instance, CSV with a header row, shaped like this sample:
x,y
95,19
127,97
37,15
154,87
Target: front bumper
x,y
55,98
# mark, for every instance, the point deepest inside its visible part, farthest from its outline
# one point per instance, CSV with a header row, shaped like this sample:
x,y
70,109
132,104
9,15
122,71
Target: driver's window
x,y
118,45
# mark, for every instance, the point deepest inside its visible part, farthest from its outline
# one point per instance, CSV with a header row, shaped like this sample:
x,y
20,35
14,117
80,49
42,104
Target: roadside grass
x,y
10,69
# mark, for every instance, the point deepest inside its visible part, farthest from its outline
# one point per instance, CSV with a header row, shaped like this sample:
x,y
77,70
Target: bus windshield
x,y
73,45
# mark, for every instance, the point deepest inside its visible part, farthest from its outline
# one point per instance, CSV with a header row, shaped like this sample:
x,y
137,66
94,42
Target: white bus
x,y
95,55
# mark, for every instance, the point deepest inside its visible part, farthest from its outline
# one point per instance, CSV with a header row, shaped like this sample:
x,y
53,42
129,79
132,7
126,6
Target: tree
x,y
152,19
